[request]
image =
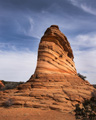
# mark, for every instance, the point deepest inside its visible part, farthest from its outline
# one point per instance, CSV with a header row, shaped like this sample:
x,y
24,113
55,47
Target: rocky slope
x,y
55,84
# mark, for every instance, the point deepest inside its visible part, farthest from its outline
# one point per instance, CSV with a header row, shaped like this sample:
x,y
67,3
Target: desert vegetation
x,y
87,111
81,76
10,85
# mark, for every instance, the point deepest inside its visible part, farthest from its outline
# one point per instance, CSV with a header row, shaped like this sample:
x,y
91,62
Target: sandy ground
x,y
33,114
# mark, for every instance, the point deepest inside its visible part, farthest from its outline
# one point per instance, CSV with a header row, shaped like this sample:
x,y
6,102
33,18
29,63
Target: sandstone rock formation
x,y
55,54
55,83
1,85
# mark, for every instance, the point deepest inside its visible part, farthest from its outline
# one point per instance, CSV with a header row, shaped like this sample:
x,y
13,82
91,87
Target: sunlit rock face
x,y
55,54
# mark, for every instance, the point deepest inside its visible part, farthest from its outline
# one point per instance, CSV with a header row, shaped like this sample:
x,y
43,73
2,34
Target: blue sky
x,y
23,22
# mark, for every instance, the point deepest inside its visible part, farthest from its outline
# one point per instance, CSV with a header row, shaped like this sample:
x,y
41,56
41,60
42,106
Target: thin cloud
x,y
74,2
84,41
86,64
17,66
88,9
84,48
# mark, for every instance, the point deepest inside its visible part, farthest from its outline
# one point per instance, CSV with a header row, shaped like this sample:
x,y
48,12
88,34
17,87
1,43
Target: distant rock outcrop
x,y
1,85
55,83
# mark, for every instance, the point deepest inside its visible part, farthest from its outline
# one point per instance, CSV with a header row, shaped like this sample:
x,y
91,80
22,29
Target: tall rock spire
x,y
55,54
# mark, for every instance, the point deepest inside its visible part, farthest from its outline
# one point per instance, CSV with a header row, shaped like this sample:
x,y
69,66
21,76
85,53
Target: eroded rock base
x,y
56,92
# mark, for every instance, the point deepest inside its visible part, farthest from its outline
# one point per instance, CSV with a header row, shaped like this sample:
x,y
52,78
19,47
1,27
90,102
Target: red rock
x,y
55,84
55,54
1,85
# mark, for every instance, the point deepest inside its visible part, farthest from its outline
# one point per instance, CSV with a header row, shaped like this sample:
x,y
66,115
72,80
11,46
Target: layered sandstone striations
x,y
55,54
55,83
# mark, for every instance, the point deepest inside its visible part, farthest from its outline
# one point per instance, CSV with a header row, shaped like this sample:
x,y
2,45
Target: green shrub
x,y
88,111
10,85
81,76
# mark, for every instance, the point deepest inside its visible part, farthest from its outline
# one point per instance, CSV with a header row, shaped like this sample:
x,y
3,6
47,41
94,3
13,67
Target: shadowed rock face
x,y
55,54
55,84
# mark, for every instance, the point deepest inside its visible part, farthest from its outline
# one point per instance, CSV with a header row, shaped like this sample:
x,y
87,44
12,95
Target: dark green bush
x,y
88,111
10,85
81,76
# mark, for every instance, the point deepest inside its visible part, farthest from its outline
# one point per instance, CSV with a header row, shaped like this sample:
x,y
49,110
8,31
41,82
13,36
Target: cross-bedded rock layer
x,y
55,83
55,54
